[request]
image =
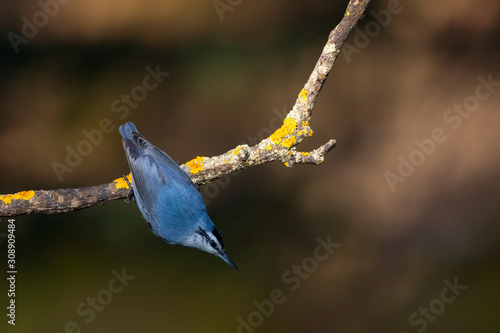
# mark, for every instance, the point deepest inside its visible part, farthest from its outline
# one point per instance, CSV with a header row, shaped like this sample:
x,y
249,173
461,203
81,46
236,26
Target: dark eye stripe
x,y
210,240
218,236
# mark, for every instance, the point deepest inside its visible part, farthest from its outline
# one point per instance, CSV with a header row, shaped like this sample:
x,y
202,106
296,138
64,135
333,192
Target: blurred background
x,y
409,196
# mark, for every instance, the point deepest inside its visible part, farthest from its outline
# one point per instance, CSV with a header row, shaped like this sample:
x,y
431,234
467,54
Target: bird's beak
x,y
226,258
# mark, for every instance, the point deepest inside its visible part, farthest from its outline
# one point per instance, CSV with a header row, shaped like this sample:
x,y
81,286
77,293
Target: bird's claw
x,y
130,194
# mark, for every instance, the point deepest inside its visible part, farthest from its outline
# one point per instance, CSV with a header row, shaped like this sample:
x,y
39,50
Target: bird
x,y
167,198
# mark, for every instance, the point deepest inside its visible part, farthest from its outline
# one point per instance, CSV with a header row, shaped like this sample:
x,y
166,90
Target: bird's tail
x,y
127,129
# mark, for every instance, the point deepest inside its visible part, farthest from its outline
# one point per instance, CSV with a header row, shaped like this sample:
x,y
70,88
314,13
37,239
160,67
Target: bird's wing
x,y
153,170
166,164
148,179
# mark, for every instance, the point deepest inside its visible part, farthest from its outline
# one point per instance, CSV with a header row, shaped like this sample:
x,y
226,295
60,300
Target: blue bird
x,y
168,199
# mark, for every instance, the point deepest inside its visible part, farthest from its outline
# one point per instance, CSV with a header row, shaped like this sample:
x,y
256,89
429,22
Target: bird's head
x,y
207,238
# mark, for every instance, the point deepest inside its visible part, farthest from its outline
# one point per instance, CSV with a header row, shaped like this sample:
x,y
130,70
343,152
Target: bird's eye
x,y
212,244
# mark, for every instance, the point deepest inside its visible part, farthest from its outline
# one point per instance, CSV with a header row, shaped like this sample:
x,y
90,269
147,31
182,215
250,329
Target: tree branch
x,y
280,146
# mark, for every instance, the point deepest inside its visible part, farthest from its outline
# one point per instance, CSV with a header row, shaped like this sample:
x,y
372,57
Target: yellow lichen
x,y
23,195
195,165
305,123
121,183
303,95
269,147
288,142
289,125
286,164
306,132
347,13
235,152
304,153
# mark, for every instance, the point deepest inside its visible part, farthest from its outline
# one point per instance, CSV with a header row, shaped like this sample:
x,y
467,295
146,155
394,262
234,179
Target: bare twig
x,y
280,146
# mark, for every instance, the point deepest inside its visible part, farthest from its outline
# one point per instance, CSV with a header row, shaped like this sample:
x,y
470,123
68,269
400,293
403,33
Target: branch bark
x,y
280,146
